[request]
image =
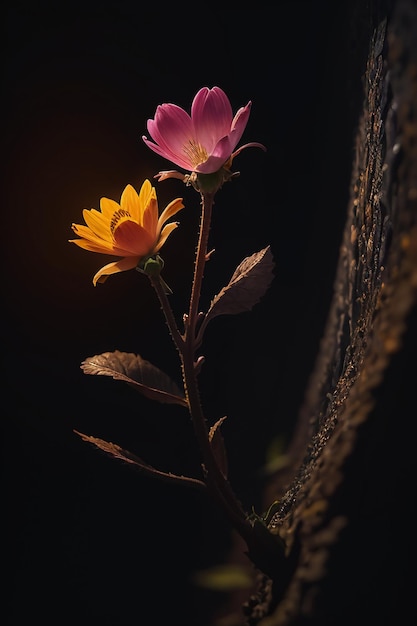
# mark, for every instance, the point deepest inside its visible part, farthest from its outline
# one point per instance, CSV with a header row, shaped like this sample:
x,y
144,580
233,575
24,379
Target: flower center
x,y
195,152
117,216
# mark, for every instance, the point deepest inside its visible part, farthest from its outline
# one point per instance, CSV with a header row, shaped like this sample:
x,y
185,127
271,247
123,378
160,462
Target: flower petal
x,y
150,216
113,268
218,158
171,129
146,193
109,207
90,246
212,115
170,210
132,238
129,202
239,123
166,231
98,223
87,233
98,245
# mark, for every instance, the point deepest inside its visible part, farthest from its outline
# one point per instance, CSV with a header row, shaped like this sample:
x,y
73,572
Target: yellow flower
x,y
132,229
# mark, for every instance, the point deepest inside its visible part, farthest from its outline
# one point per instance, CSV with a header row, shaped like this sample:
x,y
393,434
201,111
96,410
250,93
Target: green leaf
x,y
135,371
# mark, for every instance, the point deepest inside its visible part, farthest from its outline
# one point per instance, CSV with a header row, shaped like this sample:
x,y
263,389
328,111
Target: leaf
x,y
141,374
124,455
115,451
248,284
218,447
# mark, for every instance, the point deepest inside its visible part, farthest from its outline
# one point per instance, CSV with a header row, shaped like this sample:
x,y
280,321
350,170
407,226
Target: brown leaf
x,y
115,451
124,455
218,447
248,284
141,374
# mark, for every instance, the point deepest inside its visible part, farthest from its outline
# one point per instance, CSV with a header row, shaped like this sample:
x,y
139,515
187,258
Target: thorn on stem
x,y
198,364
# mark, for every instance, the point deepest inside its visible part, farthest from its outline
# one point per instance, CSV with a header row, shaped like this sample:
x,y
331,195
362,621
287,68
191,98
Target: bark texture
x,y
348,496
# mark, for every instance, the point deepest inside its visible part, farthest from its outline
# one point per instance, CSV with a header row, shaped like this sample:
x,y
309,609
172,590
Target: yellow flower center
x,y
117,216
195,152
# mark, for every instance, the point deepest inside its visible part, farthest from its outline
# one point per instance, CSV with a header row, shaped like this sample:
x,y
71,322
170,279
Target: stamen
x,y
117,216
195,152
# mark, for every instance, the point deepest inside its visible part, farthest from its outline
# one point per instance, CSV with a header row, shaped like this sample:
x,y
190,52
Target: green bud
x,y
151,265
210,183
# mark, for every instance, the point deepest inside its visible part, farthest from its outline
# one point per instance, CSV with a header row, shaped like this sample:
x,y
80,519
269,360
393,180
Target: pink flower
x,y
204,141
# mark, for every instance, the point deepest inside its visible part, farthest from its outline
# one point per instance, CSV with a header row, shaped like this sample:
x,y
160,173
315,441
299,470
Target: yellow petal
x,y
150,218
100,247
145,193
90,241
166,231
86,233
113,268
88,245
172,208
108,207
130,202
98,223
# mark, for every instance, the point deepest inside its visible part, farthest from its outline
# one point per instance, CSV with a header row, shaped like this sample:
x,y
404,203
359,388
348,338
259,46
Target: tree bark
x,y
347,498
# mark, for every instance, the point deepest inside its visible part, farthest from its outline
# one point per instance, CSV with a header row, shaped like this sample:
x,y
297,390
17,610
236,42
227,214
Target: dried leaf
x,y
124,455
141,374
218,447
115,451
248,284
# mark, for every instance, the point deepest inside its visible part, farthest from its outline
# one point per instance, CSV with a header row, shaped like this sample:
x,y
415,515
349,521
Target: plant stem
x,y
207,201
216,482
169,316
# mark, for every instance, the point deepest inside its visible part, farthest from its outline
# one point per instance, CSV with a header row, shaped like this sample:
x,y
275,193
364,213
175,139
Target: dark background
x,y
90,540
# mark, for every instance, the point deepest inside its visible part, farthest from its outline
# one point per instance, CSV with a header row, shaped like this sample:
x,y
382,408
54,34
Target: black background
x,y
90,540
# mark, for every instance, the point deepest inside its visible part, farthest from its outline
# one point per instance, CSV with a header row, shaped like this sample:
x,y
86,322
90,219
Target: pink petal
x,y
211,114
213,164
239,124
221,153
171,130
